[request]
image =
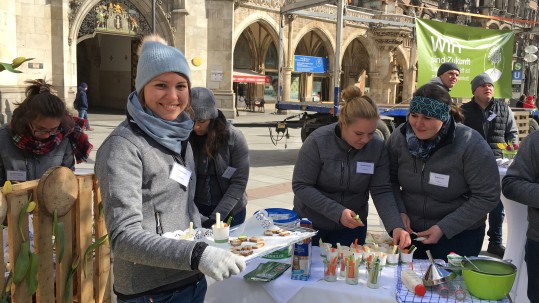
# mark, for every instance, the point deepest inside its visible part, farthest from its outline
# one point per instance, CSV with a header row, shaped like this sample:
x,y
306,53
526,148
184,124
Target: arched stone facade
x,y
379,48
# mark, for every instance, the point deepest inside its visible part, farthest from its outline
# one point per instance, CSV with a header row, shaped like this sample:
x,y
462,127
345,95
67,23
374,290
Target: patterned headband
x,y
430,107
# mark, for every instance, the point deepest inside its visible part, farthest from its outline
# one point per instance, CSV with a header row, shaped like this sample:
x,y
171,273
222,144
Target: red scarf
x,y
77,138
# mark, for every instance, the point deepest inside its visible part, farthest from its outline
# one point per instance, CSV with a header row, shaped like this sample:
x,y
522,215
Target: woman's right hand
x,y
406,221
347,219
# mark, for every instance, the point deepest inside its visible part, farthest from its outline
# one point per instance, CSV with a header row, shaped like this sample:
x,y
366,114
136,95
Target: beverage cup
x,y
220,234
406,258
393,259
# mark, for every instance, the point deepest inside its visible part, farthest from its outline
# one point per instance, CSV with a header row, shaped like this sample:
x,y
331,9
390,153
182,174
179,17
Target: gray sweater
x,y
326,181
473,185
133,172
521,183
14,159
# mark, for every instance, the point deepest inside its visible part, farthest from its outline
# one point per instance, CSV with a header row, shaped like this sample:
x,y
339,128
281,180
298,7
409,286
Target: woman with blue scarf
x,y
444,176
145,170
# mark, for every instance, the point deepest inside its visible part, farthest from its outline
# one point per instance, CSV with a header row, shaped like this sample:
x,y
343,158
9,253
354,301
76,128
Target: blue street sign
x,y
517,75
308,64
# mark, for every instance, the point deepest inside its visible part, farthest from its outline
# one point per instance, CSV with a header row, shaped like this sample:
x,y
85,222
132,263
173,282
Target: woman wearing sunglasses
x,y
42,134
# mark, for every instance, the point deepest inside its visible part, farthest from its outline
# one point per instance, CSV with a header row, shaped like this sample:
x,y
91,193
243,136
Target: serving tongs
x,y
436,274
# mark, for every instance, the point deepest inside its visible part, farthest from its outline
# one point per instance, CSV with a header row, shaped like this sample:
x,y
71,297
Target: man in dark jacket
x,y
521,185
494,120
82,104
447,76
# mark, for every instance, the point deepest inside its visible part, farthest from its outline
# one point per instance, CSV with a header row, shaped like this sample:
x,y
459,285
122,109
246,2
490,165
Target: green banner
x,y
475,50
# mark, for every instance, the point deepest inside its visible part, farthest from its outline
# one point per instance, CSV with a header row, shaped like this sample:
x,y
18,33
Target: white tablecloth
x,y
283,289
517,224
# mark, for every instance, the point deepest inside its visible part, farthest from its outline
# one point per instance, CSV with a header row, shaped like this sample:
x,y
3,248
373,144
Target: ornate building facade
x,y
95,41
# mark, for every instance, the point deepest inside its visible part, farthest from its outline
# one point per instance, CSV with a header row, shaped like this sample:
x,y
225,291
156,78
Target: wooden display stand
x,y
522,119
84,223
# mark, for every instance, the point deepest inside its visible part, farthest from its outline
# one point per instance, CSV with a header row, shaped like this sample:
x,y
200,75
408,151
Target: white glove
x,y
220,264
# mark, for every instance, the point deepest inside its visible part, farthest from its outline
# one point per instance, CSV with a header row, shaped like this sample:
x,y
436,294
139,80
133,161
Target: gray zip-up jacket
x,y
14,159
133,173
326,180
454,189
521,183
235,155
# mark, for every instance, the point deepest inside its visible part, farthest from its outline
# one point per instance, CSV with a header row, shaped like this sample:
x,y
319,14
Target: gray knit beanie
x,y
203,103
447,66
156,57
480,80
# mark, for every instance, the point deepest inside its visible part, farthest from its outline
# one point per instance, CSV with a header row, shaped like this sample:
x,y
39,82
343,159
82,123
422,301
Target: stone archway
x,y
307,86
250,50
104,37
355,65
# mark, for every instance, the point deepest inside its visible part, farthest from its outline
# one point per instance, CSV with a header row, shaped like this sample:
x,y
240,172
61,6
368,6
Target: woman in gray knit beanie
x,y
222,161
145,169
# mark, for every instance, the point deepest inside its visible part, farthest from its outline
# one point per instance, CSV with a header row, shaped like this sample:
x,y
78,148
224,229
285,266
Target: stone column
x,y
288,68
220,31
60,67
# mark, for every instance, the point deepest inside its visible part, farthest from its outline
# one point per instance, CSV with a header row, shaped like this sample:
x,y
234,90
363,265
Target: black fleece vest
x,y
475,117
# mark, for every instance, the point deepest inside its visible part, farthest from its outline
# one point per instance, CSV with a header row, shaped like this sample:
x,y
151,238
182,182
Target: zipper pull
x,y
159,227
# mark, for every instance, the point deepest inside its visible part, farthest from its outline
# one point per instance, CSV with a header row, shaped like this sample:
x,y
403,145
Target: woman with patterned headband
x,y
444,176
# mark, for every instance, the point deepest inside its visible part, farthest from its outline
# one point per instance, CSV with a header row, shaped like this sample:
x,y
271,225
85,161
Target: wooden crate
x,y
83,225
522,119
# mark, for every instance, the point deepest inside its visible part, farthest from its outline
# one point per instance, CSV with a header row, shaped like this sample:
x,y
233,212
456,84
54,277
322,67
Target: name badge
x,y
439,180
365,168
16,175
229,172
180,174
491,117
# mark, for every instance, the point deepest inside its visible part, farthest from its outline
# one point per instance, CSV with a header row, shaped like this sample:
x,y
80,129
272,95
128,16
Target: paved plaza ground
x,y
271,165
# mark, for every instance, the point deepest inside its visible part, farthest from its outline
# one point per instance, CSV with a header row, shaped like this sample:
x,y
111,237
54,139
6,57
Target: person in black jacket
x,y
82,104
494,120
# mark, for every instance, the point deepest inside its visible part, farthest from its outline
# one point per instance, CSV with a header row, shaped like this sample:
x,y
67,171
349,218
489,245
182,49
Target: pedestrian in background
x,y
444,176
521,184
520,101
82,104
529,104
447,76
494,120
221,161
336,168
146,170
42,134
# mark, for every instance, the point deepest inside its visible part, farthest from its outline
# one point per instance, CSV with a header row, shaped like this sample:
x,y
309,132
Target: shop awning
x,y
249,76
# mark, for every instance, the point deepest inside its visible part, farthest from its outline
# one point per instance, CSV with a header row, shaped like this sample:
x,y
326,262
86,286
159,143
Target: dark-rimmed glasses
x,y
44,132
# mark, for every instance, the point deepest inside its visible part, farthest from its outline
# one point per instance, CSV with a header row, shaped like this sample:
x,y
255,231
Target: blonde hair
x,y
356,105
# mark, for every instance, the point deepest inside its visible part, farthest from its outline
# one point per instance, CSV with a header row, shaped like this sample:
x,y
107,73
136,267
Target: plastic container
x,y
413,282
282,216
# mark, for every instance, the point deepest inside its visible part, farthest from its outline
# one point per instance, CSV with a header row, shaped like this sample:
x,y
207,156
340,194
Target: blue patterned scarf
x,y
169,134
423,149
430,107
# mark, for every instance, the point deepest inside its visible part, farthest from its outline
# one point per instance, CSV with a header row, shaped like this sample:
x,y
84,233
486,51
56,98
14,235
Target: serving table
x,y
517,224
284,289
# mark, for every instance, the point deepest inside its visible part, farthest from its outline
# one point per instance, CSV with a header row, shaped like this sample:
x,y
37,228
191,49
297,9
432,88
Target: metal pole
x,y
281,56
153,17
337,65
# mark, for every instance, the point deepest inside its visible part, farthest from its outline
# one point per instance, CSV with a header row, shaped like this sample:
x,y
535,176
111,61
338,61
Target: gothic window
x,y
242,54
272,58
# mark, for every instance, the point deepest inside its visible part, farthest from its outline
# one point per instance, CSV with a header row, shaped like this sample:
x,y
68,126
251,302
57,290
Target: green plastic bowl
x,y
493,281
